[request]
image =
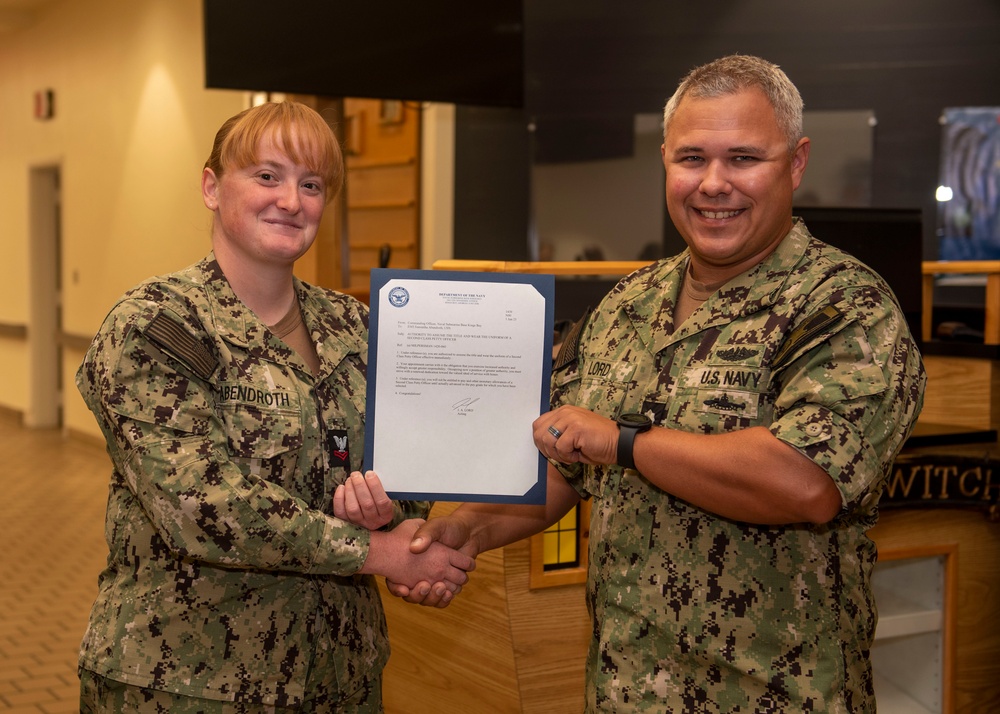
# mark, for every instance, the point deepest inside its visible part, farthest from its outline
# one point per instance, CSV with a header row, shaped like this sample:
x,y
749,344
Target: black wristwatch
x,y
628,426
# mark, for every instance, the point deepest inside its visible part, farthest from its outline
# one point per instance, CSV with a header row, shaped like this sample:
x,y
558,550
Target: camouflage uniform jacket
x,y
228,578
696,613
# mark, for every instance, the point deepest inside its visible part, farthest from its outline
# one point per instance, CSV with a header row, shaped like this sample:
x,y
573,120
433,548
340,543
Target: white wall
x,y
437,184
133,125
616,205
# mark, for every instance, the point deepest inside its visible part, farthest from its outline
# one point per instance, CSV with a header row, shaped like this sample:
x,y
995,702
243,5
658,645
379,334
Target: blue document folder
x,y
459,365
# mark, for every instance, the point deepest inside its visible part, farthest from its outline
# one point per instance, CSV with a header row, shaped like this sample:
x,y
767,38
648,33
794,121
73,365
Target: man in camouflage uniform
x,y
231,584
771,380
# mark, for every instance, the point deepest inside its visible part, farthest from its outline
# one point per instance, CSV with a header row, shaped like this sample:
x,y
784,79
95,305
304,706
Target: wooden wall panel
x,y
378,227
551,631
962,391
382,141
500,647
382,186
372,229
977,666
456,660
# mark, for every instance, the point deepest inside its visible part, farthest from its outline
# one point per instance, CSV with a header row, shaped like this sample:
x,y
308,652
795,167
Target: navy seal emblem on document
x,y
399,296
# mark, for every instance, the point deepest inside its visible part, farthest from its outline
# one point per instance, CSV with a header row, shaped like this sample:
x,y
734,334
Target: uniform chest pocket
x,y
723,396
264,428
604,385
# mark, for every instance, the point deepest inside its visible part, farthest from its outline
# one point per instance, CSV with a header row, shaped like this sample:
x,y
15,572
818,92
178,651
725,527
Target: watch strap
x,y
626,441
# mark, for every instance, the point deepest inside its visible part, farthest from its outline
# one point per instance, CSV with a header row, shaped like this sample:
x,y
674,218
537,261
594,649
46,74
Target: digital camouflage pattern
x,y
695,613
228,578
100,695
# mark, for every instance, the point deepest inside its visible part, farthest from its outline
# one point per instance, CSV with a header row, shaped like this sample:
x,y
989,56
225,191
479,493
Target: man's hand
x,y
362,501
571,434
447,531
390,555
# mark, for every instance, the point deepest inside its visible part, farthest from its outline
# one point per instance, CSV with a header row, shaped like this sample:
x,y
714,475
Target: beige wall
x,y
132,128
133,125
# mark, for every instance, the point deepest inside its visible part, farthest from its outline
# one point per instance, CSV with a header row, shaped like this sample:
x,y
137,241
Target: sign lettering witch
x,y
943,481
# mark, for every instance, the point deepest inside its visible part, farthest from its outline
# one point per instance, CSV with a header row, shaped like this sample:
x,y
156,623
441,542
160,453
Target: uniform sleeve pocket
x,y
843,370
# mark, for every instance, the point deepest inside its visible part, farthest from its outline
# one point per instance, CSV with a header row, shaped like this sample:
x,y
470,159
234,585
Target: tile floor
x,y
54,490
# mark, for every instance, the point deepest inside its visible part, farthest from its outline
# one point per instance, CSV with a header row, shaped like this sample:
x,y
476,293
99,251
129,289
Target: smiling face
x,y
267,212
729,181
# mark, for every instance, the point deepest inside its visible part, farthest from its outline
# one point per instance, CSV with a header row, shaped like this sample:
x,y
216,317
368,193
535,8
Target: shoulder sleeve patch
x,y
174,339
809,328
571,343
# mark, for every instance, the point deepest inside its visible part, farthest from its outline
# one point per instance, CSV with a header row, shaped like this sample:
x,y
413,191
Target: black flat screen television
x,y
437,50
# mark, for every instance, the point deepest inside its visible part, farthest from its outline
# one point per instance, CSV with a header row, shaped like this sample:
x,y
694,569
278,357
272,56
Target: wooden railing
x,y
558,267
989,268
931,269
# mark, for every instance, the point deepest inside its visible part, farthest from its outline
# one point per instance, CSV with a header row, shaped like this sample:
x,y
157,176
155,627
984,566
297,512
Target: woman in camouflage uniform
x,y
231,396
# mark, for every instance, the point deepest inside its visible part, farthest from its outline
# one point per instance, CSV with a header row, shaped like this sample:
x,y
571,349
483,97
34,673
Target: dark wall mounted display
x,y
577,67
436,50
905,60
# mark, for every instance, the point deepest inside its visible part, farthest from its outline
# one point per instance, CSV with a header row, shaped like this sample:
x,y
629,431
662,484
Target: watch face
x,y
635,420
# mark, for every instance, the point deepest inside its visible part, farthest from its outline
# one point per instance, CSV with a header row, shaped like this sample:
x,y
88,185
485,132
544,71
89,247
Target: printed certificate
x,y
458,369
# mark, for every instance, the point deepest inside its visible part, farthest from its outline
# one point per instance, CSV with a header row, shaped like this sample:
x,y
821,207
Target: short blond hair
x,y
300,132
735,73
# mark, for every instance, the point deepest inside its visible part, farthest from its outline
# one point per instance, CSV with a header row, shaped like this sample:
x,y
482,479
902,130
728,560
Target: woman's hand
x,y
361,500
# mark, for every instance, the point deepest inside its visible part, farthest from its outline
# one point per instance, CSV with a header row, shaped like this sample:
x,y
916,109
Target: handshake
x,y
424,562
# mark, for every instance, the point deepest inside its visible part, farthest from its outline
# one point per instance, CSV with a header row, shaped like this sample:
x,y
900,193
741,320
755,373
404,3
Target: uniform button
x,y
814,429
869,501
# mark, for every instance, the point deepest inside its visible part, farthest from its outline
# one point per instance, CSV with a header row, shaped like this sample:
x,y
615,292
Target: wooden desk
x,y
989,268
